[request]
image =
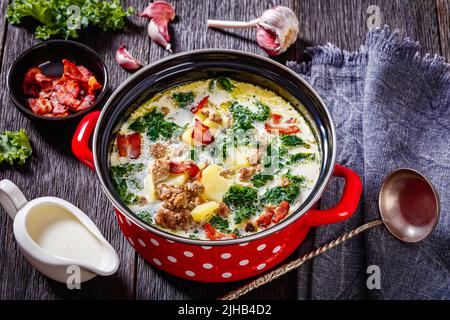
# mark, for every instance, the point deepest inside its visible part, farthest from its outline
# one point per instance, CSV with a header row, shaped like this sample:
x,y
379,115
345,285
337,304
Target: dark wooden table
x,y
53,170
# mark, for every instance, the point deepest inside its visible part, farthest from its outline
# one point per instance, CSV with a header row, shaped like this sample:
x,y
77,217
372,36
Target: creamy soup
x,y
215,159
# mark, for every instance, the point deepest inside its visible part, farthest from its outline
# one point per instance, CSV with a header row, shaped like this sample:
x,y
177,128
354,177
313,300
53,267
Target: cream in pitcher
x,y
53,235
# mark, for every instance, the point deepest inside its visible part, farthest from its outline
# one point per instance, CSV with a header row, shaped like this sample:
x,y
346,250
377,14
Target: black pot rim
x,y
209,243
84,47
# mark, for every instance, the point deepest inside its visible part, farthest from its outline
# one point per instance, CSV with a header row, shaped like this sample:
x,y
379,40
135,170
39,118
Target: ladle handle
x,y
272,275
11,198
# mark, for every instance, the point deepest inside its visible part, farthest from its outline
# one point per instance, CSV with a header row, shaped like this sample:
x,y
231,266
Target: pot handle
x,y
80,140
345,207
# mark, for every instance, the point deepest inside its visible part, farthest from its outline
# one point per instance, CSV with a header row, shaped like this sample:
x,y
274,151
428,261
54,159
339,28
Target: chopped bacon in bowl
x,y
40,106
70,93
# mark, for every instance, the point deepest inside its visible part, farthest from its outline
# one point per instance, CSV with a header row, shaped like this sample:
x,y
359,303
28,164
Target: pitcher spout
x,y
110,262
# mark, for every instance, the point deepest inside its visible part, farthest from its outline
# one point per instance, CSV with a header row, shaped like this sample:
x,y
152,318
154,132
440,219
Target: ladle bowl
x,y
409,205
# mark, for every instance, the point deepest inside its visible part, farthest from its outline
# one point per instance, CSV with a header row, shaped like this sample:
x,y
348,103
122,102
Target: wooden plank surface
x,y
443,15
54,171
343,22
3,27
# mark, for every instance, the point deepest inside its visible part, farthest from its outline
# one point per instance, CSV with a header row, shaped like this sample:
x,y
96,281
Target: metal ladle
x,y
409,208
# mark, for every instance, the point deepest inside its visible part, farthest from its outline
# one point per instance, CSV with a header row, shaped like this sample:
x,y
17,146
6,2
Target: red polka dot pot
x,y
227,260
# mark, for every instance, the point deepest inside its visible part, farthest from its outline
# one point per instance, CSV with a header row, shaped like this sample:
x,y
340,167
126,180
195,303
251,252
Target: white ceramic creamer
x,y
54,236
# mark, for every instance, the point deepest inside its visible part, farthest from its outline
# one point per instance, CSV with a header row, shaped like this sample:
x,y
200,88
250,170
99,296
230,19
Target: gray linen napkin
x,y
391,109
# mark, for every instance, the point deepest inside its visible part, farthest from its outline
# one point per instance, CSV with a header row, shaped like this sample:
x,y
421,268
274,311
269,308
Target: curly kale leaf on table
x,y
14,147
61,18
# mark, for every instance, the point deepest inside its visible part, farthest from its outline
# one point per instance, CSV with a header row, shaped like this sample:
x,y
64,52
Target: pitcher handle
x,y
11,198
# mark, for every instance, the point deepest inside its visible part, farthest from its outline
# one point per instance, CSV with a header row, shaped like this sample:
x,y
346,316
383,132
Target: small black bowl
x,y
48,56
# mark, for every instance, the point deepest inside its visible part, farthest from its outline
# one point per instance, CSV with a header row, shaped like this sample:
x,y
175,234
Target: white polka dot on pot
x,y
188,254
207,266
131,241
243,244
226,275
120,219
170,241
157,262
172,259
128,221
243,262
190,273
154,242
261,266
225,255
206,247
276,249
261,247
141,242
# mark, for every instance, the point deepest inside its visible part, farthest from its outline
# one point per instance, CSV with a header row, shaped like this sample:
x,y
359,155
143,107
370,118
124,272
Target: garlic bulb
x,y
276,30
160,14
125,60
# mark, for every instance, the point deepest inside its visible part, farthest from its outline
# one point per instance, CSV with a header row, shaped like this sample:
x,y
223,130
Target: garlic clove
x,y
282,22
159,32
160,14
268,41
159,9
126,60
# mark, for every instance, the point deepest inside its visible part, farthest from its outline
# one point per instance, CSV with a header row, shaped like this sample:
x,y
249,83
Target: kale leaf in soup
x,y
155,125
243,200
293,141
301,156
124,180
183,99
261,179
223,83
288,192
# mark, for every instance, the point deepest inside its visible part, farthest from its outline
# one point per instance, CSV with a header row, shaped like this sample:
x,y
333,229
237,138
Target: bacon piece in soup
x,y
281,211
282,130
129,145
212,233
202,134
